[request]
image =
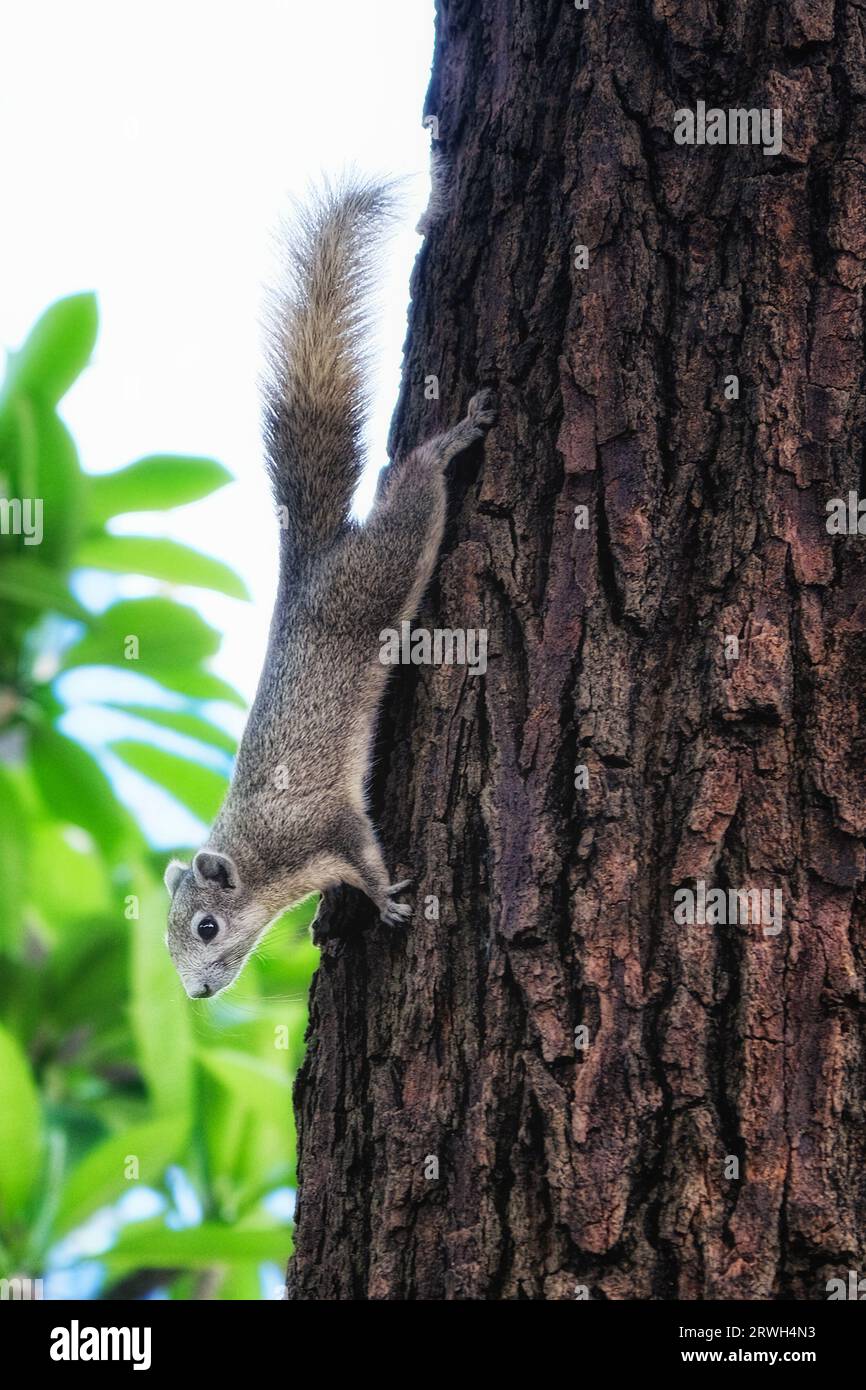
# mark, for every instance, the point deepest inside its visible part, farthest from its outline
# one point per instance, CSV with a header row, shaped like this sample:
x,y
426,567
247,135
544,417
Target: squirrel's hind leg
x,y
395,551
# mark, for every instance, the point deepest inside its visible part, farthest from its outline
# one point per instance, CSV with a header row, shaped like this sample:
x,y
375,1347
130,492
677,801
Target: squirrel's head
x,y
213,923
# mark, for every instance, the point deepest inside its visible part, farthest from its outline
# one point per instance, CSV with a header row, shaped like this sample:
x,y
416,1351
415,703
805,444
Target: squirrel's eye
x,y
207,929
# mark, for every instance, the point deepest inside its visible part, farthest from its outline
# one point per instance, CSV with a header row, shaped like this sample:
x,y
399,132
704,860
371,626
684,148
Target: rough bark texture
x,y
609,1167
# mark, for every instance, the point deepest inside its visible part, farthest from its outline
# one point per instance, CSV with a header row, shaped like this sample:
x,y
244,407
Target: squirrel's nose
x,y
203,992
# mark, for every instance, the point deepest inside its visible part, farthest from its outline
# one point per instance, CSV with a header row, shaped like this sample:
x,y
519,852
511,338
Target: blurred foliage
x,y
111,1081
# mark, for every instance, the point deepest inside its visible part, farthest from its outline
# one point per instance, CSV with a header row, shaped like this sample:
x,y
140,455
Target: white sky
x,y
148,149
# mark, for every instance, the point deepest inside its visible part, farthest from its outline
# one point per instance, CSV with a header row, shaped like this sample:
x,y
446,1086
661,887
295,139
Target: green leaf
x,y
199,788
42,462
285,963
153,484
74,787
241,1281
66,885
167,635
57,349
248,1122
26,582
20,1131
255,1084
197,684
18,456
101,1177
161,559
160,1014
197,1247
181,722
14,828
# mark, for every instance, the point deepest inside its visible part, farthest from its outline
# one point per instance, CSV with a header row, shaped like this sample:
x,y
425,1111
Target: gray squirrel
x,y
295,820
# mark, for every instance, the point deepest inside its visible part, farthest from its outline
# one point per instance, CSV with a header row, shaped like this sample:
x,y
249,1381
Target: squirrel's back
x,y
315,392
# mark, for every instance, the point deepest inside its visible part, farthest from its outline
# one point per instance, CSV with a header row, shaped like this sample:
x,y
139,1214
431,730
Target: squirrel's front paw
x,y
396,914
482,410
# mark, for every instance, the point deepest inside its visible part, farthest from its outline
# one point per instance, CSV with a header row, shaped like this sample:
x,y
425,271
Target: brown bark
x,y
606,1167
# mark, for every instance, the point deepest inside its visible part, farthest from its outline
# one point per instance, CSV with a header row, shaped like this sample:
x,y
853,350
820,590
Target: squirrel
x,y
295,818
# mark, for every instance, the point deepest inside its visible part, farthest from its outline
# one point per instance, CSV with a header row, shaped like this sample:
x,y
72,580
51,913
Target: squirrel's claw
x,y
482,410
396,914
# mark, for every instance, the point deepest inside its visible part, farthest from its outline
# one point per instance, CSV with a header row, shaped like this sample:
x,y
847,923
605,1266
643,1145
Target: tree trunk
x,y
620,1102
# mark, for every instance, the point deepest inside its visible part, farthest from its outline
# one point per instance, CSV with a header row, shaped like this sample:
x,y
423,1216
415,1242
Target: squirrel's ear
x,y
212,868
173,875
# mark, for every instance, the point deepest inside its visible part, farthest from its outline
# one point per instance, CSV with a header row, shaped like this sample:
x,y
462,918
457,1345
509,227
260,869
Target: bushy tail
x,y
315,401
